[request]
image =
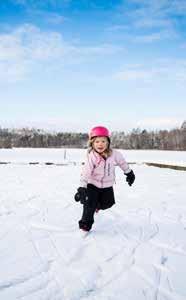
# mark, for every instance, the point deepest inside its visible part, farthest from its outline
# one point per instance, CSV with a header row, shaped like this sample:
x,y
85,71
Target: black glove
x,y
81,195
130,177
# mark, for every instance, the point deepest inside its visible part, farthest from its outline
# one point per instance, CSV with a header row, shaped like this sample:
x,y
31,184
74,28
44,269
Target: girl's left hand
x,y
130,177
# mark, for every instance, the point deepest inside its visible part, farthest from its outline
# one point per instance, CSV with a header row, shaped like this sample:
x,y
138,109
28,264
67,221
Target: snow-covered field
x,y
25,155
136,250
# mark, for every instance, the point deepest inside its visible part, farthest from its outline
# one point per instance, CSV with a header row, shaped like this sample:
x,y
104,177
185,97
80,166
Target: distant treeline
x,y
174,139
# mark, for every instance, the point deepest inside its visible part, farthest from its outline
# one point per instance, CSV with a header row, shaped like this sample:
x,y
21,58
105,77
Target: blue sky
x,y
70,65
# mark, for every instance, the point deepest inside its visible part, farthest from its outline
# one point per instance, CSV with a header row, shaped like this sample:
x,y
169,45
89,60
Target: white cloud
x,y
134,75
153,23
158,71
118,27
177,7
25,47
160,8
77,125
54,18
154,20
53,124
41,3
104,49
160,123
155,36
13,72
29,47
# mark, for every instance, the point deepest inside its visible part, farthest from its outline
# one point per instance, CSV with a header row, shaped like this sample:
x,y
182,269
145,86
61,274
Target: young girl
x,y
98,176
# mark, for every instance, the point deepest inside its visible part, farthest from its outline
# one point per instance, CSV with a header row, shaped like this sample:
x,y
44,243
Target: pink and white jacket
x,y
101,172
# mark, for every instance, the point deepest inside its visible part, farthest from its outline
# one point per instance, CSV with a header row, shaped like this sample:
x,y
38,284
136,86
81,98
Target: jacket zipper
x,y
104,173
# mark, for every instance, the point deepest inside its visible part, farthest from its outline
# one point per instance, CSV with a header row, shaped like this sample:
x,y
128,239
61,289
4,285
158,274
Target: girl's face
x,y
100,144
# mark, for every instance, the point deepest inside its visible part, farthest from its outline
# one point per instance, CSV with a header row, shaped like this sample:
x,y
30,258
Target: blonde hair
x,y
108,150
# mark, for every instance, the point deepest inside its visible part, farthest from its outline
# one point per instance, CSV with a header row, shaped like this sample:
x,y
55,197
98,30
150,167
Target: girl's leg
x,y
106,199
89,208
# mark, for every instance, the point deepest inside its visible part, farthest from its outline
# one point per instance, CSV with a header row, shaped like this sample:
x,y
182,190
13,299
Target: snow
x,y
135,251
43,155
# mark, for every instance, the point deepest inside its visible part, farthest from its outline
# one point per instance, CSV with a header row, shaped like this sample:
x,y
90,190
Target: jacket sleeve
x,y
121,162
87,171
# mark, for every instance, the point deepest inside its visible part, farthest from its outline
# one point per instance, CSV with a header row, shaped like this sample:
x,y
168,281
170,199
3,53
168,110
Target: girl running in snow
x,y
98,176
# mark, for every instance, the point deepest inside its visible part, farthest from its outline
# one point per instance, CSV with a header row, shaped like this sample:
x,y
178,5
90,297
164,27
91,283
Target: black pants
x,y
98,198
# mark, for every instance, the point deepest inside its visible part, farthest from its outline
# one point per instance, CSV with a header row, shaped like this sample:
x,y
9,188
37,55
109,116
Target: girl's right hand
x,y
81,195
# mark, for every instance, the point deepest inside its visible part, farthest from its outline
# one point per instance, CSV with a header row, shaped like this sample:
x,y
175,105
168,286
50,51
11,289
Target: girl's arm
x,y
86,171
121,162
